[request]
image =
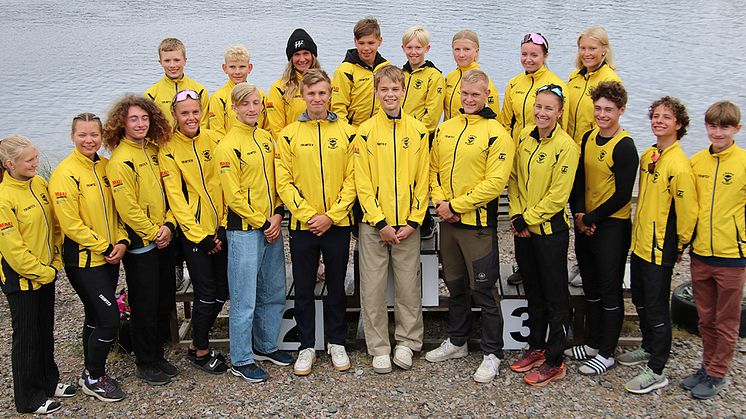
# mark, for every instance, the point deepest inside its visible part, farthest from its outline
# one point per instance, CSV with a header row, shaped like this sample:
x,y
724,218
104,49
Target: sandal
x,y
65,390
579,353
50,406
594,366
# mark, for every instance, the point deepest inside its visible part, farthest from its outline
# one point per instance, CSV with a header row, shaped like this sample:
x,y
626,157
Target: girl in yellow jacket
x,y
465,48
284,103
190,176
520,93
30,258
94,242
133,128
424,91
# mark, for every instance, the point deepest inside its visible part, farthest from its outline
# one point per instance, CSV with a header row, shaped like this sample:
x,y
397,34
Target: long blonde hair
x,y
290,80
599,34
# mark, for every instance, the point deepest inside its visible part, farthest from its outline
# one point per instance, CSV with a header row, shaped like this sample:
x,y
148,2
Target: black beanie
x,y
300,40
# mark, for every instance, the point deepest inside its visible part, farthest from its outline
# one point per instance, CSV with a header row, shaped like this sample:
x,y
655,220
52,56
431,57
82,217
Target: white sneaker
x,y
382,364
403,357
340,360
573,275
305,361
487,369
447,350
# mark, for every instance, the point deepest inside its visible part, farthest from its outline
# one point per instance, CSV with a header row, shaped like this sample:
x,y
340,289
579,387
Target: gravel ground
x,y
440,390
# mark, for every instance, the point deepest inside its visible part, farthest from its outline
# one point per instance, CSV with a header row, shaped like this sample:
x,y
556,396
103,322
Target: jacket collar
x,y
538,73
9,180
427,64
471,66
353,57
81,158
584,71
172,81
330,116
485,113
725,153
537,137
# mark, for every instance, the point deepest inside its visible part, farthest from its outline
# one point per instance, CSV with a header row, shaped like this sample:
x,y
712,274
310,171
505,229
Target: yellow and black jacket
x,y
391,169
190,177
314,167
667,206
85,209
452,96
520,95
605,177
280,111
135,178
221,114
163,92
29,240
247,175
541,181
720,236
423,96
470,162
353,94
578,103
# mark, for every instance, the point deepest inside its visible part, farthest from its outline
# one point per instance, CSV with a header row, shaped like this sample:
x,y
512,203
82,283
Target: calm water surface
x,y
61,58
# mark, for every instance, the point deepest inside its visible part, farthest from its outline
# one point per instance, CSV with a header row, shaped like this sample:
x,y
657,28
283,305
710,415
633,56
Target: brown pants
x,y
718,292
375,256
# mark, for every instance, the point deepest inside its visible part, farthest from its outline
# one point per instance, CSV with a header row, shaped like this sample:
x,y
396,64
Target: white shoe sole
x,y
456,355
483,380
341,368
90,392
401,364
383,370
258,357
646,390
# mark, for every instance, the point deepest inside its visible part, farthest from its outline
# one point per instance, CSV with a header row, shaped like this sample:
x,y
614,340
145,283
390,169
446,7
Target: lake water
x,y
61,58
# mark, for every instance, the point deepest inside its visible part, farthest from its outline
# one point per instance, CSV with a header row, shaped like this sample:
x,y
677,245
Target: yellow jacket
x,y
667,206
221,114
85,209
721,191
314,167
423,97
190,177
470,162
353,94
391,168
135,178
163,92
29,240
247,176
452,96
578,103
541,180
281,112
520,94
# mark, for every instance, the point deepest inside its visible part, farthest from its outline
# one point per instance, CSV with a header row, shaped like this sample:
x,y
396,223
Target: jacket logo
x,y
727,178
418,84
154,158
225,165
440,90
405,142
680,193
165,173
382,143
470,140
542,157
501,156
656,175
206,155
563,169
490,99
116,183
332,143
60,195
106,181
44,198
267,149
335,89
601,155
306,144
6,225
520,92
269,105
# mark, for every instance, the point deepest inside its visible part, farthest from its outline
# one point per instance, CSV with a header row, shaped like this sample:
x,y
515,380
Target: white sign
x,y
288,338
515,328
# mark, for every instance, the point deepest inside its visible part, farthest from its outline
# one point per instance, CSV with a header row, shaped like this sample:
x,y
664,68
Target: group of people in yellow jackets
x,y
208,179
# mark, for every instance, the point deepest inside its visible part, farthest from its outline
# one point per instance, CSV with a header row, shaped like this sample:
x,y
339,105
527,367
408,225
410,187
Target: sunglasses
x,y
552,88
184,95
653,160
536,38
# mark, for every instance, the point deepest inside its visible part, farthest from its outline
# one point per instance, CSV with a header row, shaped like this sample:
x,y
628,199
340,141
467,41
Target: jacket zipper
x,y
525,99
321,166
158,180
712,203
204,185
453,160
46,221
396,182
406,92
264,170
103,201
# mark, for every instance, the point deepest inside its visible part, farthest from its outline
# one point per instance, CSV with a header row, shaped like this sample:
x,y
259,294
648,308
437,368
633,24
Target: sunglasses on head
x,y
536,38
184,95
552,88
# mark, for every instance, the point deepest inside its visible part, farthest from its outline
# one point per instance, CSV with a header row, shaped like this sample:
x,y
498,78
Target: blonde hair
x,y
313,76
11,148
417,32
171,44
476,75
599,34
86,117
241,92
237,52
390,72
289,79
469,35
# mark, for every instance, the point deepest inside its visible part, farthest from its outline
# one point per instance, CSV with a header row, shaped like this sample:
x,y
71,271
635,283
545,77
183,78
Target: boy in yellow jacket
x,y
391,164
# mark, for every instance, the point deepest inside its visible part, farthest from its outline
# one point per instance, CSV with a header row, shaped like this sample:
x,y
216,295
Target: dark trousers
x,y
471,269
651,291
209,275
151,287
95,287
305,249
35,374
543,264
601,258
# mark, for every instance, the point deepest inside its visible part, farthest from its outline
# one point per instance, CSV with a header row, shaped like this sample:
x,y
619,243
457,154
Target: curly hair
x,y
611,90
679,111
158,132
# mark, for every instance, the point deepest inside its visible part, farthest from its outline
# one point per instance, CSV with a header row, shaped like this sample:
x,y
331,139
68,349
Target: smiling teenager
x,y
425,85
465,49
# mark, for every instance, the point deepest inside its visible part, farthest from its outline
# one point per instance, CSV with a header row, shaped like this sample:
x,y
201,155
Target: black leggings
x,y
95,287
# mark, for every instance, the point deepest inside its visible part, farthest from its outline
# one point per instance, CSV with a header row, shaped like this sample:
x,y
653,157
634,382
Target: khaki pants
x,y
374,258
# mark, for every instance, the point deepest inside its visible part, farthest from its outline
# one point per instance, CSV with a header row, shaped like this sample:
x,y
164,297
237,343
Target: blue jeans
x,y
256,280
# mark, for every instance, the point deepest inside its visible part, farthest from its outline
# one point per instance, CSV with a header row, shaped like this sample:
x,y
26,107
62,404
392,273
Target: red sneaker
x,y
544,375
531,359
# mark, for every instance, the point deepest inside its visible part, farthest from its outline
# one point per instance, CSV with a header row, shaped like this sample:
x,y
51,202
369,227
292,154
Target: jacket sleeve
x,y
15,251
346,197
204,101
419,194
342,92
217,114
684,191
289,193
560,185
172,183
436,190
363,183
230,181
493,100
506,113
123,181
275,111
57,258
499,166
434,101
66,201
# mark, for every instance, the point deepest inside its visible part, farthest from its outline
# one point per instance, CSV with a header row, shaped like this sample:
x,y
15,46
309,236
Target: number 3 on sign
x,y
515,329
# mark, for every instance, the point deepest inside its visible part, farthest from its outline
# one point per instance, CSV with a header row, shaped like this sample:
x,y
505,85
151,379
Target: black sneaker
x,y
250,372
167,367
515,278
278,357
427,229
152,375
104,389
214,363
